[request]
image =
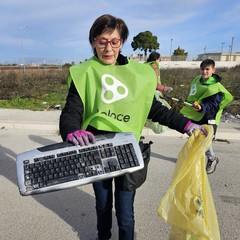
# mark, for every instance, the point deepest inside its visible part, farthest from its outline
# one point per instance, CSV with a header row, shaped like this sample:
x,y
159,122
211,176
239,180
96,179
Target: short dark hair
x,y
153,56
207,62
108,23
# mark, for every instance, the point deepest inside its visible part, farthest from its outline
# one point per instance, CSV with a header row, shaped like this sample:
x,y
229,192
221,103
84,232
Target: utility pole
x,y
22,46
231,47
205,49
222,47
171,48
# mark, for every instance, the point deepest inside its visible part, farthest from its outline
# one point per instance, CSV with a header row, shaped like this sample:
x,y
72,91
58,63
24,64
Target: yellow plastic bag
x,y
188,204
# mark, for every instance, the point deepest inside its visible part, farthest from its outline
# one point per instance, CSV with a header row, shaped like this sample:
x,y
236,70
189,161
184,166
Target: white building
x,y
231,57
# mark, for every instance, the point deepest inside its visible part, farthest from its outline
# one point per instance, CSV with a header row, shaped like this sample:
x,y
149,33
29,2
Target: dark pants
x,y
123,205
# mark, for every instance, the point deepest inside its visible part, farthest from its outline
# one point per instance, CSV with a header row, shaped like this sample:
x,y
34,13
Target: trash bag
x,y
188,204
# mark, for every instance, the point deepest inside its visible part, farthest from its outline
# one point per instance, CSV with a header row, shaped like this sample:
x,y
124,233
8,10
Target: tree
x,y
179,54
145,41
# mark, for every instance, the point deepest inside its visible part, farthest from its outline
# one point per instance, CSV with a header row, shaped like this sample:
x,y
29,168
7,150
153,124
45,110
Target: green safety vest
x,y
116,98
155,126
157,65
199,91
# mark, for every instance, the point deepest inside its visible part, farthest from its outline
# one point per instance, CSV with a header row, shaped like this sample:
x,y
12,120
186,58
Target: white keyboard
x,y
63,165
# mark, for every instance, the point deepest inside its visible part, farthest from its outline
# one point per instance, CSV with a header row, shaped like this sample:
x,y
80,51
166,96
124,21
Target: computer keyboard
x,y
63,165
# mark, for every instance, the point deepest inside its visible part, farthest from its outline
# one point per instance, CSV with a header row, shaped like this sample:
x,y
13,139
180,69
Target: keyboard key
x,y
61,180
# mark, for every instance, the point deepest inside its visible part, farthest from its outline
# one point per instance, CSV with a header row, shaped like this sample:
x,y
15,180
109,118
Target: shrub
x,y
49,85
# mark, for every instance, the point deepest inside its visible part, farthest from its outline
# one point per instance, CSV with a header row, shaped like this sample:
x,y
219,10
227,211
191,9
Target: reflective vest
x,y
198,92
116,98
154,65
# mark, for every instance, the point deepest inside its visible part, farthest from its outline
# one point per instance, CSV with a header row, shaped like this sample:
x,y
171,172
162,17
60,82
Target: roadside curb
x,y
49,121
222,133
29,126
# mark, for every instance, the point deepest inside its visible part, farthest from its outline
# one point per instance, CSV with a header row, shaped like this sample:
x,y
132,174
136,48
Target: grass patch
x,y
47,102
42,89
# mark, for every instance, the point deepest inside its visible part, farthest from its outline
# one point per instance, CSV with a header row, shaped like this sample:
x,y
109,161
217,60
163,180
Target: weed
x,y
39,89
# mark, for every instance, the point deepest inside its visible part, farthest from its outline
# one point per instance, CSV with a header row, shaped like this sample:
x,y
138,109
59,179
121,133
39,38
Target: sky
x,y
56,31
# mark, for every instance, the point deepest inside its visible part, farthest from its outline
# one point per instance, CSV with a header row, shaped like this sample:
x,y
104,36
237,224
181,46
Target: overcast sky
x,y
57,31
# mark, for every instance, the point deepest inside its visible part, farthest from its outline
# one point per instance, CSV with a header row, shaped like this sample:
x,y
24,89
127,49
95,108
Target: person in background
x,y
108,82
154,58
209,97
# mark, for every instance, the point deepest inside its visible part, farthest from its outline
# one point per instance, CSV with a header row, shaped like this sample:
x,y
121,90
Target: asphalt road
x,y
70,214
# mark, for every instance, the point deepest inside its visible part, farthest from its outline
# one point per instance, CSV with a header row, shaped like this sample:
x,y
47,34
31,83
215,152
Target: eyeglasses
x,y
102,42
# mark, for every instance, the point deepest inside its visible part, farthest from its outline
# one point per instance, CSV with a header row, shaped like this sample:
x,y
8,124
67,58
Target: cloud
x,y
61,28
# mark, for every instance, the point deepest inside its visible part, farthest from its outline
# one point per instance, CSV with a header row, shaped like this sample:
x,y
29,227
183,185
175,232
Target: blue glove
x,y
191,127
81,137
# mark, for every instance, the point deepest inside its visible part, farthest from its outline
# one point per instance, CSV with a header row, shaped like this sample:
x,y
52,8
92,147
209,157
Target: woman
x,y
153,60
110,83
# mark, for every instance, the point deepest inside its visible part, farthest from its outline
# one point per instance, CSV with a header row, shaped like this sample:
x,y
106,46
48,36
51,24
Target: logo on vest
x,y
193,90
112,89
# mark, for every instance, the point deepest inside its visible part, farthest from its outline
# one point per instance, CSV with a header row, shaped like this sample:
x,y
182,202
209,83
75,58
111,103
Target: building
x,y
231,57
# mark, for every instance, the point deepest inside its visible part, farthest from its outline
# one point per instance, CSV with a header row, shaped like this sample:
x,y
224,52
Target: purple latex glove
x,y
191,127
81,137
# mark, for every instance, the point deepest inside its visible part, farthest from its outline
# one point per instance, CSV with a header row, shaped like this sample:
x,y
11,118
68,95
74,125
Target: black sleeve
x,y
168,117
210,105
71,116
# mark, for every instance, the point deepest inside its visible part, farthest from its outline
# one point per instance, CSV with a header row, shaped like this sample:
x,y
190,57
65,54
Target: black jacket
x,y
71,116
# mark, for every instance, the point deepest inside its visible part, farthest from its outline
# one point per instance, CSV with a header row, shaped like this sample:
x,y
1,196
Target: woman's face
x,y
108,46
